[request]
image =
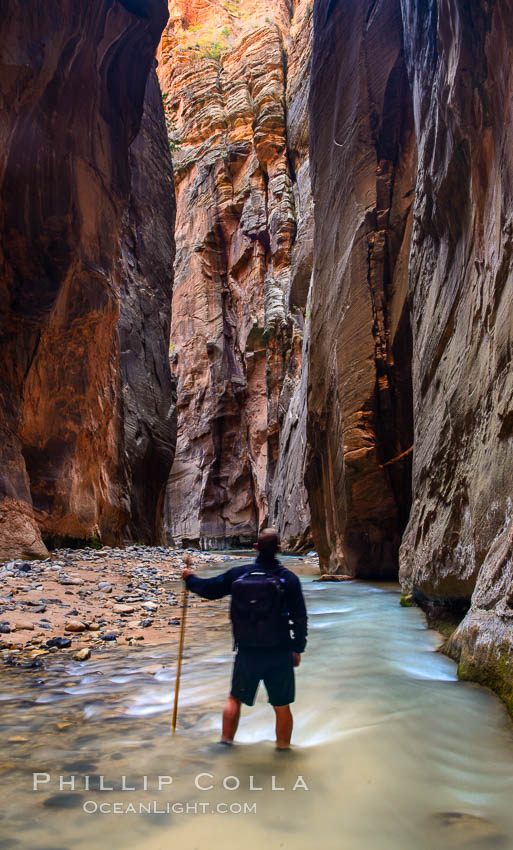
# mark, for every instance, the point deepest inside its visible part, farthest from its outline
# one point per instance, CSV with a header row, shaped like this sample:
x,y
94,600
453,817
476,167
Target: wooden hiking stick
x,y
188,560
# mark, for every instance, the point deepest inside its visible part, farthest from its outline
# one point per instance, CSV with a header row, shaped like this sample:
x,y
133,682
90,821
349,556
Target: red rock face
x,y
73,82
241,274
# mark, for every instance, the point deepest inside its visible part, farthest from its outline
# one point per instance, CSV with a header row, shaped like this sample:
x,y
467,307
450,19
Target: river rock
x,y
37,605
124,609
465,830
64,801
82,654
58,642
407,600
21,625
334,577
74,626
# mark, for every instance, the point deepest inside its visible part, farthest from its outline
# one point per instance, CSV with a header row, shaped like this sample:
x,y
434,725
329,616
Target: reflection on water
x,y
396,753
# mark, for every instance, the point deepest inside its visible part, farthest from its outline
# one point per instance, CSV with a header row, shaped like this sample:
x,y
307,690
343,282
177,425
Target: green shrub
x,y
213,51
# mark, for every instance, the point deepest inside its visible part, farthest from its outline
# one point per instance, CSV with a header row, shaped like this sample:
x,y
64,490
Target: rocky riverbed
x,y
79,601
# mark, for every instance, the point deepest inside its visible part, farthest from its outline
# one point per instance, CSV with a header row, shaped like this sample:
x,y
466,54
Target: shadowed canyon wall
x,y
458,546
148,389
86,399
235,81
359,392
411,309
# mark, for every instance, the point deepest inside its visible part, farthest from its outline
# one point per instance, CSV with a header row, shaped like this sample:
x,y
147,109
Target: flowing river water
x,y
391,751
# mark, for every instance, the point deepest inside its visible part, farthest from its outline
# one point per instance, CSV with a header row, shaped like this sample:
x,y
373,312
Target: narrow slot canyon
x,y
335,358
257,272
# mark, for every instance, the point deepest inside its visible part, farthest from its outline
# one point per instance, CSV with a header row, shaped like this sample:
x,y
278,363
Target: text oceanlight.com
x,y
118,807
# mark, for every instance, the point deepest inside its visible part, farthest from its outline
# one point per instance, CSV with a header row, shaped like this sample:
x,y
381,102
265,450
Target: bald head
x,y
268,542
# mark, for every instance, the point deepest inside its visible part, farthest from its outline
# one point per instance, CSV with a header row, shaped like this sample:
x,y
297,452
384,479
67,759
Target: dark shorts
x,y
272,666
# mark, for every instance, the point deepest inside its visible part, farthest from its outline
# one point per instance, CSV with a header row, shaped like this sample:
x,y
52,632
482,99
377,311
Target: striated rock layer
x,y
289,510
412,174
147,387
359,426
235,80
73,81
459,542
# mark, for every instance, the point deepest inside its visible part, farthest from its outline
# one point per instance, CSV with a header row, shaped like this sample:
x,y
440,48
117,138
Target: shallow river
x,y
391,752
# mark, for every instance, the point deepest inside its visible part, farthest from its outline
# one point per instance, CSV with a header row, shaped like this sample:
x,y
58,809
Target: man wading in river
x,y
268,617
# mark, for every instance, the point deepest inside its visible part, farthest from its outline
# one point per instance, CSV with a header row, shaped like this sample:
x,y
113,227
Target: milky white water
x,y
395,752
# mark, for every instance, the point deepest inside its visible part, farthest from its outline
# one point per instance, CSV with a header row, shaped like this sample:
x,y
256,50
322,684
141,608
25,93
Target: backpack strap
x,y
248,569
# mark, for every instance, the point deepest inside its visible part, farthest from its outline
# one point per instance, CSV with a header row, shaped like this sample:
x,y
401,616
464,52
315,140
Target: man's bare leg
x,y
231,716
284,723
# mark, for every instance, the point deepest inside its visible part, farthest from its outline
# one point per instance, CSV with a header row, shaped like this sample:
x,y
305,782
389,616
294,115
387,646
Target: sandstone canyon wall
x,y
359,400
75,227
148,393
235,78
458,547
411,318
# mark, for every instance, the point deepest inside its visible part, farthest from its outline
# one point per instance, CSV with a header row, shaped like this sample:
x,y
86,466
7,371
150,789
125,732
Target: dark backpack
x,y
258,612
